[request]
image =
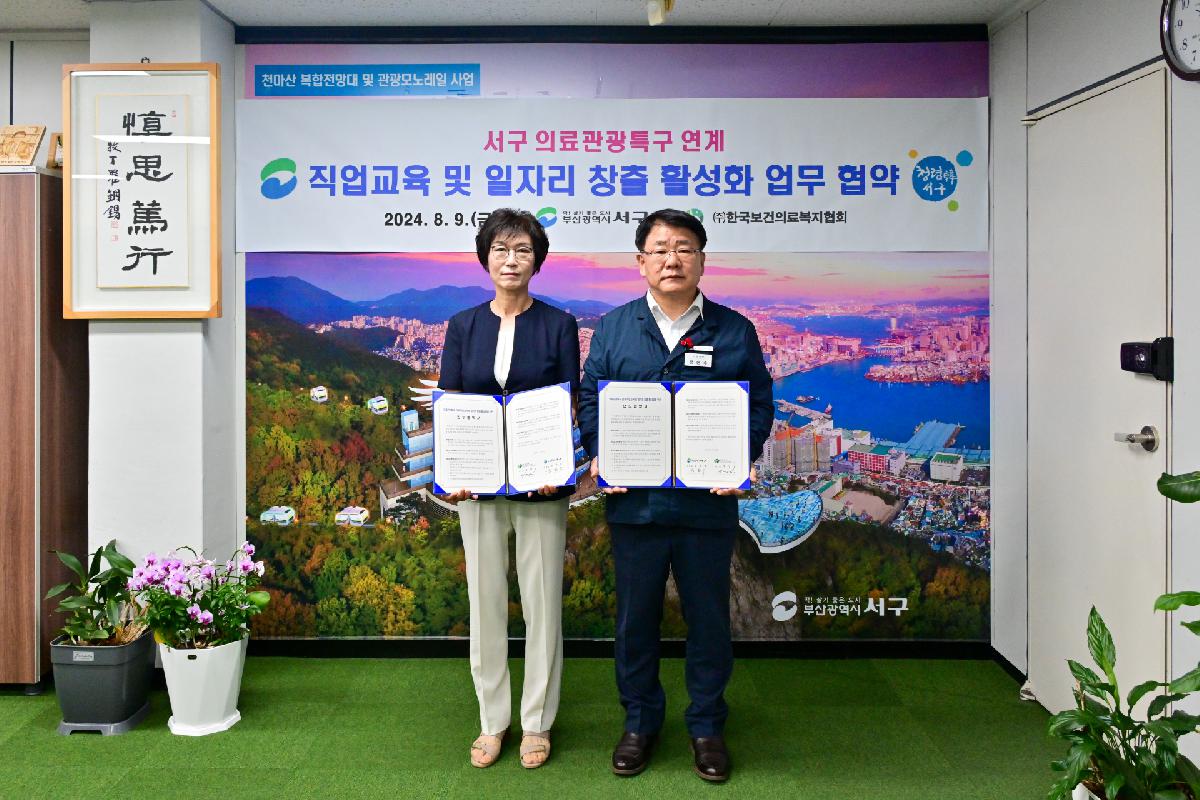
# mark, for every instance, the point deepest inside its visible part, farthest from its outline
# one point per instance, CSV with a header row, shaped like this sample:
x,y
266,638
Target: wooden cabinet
x,y
43,421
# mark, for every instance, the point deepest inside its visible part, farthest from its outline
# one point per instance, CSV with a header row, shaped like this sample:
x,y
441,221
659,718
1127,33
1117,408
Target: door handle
x,y
1148,438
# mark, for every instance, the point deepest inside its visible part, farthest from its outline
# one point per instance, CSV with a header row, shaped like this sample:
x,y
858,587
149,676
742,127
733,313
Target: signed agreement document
x,y
712,435
541,451
635,434
493,444
685,435
468,443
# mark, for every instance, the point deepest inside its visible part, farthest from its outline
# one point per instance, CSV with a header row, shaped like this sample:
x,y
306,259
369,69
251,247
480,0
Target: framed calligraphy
x,y
141,199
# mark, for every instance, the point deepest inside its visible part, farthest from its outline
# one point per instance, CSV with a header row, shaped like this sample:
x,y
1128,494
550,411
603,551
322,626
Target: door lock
x,y
1148,438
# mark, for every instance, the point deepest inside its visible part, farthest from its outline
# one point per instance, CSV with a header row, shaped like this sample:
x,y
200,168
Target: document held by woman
x,y
503,444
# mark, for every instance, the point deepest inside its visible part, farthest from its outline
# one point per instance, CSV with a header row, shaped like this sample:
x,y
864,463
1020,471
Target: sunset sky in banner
x,y
761,278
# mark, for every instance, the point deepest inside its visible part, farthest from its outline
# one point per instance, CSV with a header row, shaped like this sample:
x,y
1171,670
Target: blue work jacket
x,y
627,346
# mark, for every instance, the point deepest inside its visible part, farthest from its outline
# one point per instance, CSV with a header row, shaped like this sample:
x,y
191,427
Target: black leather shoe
x,y
632,753
711,758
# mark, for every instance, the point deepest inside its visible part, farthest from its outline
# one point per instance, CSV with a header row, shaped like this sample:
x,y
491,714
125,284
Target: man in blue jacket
x,y
673,333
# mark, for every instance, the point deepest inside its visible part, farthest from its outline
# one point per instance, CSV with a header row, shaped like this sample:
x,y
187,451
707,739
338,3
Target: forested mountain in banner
x,y
319,458
400,577
315,457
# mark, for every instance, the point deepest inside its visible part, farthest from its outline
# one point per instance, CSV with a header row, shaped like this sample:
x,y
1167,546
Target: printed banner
x,y
871,515
782,175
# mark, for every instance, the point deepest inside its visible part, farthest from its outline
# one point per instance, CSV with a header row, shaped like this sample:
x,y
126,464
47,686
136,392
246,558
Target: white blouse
x,y
504,348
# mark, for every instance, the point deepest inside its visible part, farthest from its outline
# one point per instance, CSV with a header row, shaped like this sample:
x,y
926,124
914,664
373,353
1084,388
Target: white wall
x,y
144,436
1008,385
224,372
1075,43
164,438
34,82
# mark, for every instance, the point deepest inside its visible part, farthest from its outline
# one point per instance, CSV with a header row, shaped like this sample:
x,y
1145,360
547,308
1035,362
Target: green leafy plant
x,y
1183,488
99,607
1114,754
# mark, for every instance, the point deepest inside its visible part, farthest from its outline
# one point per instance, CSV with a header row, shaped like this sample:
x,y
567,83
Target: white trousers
x,y
541,533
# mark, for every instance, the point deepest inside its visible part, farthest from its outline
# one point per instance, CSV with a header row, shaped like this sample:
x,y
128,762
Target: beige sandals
x,y
535,749
486,749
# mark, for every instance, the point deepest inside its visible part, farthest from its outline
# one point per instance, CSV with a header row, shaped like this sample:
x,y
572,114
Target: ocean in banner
x,y
888,410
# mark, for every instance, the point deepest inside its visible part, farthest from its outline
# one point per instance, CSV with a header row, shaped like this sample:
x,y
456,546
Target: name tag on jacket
x,y
697,360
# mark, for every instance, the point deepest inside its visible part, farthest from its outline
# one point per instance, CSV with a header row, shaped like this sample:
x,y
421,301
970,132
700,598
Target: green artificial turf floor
x,y
350,728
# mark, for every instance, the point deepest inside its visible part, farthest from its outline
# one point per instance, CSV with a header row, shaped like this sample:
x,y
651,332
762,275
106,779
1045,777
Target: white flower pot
x,y
203,686
1081,793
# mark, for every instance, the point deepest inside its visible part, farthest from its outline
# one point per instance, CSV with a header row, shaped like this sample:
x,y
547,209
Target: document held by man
x,y
635,434
688,435
491,444
712,435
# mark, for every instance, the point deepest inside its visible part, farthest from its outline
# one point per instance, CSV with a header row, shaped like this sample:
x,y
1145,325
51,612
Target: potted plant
x,y
102,660
1115,755
199,611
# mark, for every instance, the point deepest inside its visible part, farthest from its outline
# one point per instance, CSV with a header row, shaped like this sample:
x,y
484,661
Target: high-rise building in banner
x,y
870,459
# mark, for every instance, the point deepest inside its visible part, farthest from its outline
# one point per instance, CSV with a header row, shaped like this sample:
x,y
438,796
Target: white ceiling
x,y
73,14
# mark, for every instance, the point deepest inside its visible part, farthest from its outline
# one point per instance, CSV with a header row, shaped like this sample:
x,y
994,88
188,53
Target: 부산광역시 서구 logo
x,y
278,178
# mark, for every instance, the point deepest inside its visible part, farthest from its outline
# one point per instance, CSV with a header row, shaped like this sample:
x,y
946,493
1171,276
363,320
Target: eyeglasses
x,y
682,253
520,252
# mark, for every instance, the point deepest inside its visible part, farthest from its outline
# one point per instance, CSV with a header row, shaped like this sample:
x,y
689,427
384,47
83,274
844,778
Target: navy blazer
x,y
545,352
628,346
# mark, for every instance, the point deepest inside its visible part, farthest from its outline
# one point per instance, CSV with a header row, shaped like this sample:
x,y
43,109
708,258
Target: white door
x,y
1098,276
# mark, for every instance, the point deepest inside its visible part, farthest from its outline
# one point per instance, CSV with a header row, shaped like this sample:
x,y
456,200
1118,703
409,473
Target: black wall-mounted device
x,y
1155,358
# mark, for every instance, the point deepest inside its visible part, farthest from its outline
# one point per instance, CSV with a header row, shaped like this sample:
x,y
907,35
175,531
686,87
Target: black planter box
x,y
105,688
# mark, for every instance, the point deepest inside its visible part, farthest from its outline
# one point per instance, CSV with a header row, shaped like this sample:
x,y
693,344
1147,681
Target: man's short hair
x,y
675,219
505,222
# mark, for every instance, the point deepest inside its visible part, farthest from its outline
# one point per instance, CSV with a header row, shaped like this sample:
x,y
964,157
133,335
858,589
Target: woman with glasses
x,y
509,344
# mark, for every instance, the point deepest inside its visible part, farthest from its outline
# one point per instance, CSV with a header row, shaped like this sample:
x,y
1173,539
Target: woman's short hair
x,y
505,222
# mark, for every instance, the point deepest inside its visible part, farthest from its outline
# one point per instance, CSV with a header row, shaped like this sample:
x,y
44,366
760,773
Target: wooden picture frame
x,y
141,191
54,151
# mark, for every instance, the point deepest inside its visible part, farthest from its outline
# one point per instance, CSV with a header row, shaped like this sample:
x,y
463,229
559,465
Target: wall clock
x,y
1179,34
